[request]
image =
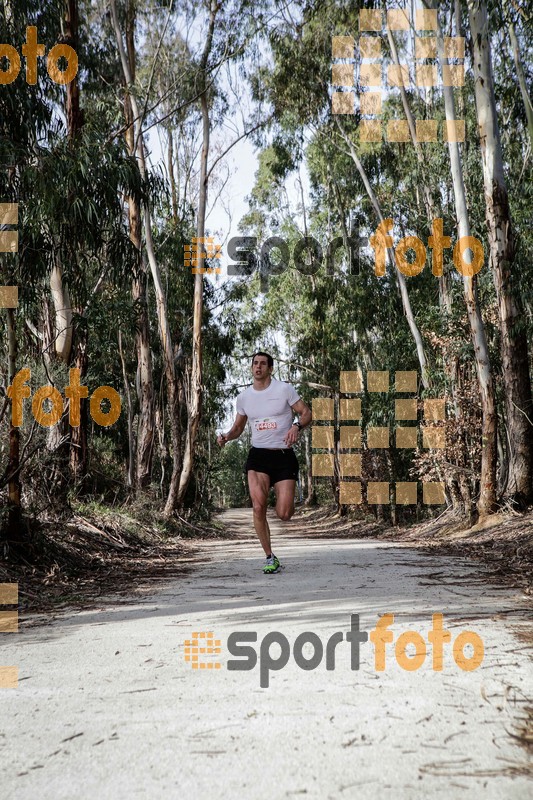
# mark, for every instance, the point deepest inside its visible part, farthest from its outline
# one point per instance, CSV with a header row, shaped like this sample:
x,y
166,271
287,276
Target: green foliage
x,y
73,214
228,481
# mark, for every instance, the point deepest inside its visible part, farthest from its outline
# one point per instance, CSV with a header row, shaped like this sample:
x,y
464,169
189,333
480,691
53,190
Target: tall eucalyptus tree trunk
x,y
79,447
13,465
144,382
161,300
194,398
404,294
429,199
445,297
60,292
514,349
528,105
487,492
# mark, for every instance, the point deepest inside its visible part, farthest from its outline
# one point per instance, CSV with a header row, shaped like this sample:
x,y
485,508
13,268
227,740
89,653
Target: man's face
x,y
260,368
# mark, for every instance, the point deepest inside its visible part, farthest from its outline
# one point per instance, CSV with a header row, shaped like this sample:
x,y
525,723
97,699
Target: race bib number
x,y
265,424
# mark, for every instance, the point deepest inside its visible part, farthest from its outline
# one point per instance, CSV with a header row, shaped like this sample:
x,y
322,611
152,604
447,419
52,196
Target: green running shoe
x,y
272,565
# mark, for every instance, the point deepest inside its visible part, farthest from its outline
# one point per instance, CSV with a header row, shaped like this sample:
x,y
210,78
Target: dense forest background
x,y
103,224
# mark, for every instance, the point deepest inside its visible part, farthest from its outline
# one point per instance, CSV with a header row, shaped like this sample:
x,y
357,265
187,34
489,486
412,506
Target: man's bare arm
x,y
304,413
235,431
305,416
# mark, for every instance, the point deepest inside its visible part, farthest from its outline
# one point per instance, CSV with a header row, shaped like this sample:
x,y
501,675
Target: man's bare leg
x,y
285,499
259,485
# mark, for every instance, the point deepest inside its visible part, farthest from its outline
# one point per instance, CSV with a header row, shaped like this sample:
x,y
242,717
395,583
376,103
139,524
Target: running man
x,y
270,406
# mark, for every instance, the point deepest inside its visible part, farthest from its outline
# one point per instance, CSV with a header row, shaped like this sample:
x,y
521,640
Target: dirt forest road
x,y
108,707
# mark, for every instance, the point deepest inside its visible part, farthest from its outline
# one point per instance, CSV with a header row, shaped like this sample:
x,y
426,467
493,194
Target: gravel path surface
x,y
108,707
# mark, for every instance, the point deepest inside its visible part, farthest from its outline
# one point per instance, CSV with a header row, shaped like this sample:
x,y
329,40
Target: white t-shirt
x,y
269,412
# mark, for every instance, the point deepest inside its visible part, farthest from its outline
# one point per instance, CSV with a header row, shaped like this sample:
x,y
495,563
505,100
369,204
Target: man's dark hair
x,y
270,360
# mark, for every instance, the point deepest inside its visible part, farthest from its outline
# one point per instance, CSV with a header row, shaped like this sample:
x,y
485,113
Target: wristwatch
x,y
298,425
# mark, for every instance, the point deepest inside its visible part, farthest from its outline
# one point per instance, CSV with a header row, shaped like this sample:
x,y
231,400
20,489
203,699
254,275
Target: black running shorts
x,y
279,465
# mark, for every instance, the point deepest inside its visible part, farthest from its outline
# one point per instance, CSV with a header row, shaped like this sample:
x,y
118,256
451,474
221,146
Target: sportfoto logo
x,y
200,650
410,253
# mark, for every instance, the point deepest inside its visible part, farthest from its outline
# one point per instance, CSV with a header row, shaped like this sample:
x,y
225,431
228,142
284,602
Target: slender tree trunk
x,y
63,315
520,73
129,404
194,400
445,297
14,521
60,292
144,381
408,311
59,439
311,493
57,344
161,301
79,452
194,395
74,115
172,177
514,350
74,112
429,200
57,436
79,455
487,494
